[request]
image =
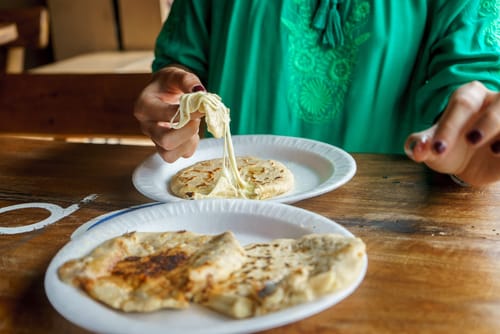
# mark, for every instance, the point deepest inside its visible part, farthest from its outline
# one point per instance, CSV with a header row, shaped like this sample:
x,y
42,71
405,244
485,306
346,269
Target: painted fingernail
x,y
198,88
474,136
439,147
495,147
412,145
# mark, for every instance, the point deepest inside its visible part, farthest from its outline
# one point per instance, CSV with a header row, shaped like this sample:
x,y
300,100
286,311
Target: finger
x,y
148,127
487,126
185,150
463,108
192,116
191,83
495,146
153,108
176,80
418,145
170,139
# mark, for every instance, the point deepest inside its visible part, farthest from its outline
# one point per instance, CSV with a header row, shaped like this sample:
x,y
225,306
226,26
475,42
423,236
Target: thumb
x,y
198,88
191,83
179,80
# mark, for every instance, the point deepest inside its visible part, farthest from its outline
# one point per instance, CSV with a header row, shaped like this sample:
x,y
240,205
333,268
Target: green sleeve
x,y
184,38
463,46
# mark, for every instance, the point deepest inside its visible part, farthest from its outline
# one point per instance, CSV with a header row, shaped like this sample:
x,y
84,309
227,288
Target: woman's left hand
x,y
466,140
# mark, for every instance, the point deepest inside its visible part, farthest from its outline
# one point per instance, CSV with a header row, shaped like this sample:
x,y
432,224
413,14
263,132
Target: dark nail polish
x,y
495,147
198,88
474,136
439,147
412,145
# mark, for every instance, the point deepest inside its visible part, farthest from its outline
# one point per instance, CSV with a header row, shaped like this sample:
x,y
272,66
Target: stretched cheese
x,y
217,118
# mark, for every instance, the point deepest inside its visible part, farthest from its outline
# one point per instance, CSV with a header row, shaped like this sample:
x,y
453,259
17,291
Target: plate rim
x,y
336,180
238,206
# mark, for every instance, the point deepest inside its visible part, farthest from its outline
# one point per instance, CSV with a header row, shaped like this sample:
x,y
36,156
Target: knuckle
x,y
475,85
465,100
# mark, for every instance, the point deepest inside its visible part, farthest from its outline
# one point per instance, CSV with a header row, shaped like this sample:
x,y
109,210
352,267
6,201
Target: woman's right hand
x,y
157,105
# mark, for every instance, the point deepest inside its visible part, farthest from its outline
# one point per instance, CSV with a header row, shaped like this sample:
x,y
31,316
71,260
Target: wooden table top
x,y
433,247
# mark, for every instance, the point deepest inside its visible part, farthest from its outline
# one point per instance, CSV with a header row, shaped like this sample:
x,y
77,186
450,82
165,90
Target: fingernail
x,y
412,145
439,147
495,147
164,124
474,136
198,88
409,149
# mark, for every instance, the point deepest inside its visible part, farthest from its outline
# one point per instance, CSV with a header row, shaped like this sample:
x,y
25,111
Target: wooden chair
x,y
65,106
8,32
32,28
81,104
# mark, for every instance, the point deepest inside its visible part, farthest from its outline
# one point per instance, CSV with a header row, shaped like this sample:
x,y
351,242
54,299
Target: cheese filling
x,y
217,119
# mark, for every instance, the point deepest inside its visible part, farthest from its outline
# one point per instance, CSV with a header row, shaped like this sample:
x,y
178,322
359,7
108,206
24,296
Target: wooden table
x,y
433,247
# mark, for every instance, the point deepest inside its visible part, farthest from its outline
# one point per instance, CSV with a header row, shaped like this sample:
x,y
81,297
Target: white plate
x,y
251,221
318,167
105,217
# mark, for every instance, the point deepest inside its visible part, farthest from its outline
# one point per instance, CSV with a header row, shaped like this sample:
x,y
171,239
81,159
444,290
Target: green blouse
x,y
358,74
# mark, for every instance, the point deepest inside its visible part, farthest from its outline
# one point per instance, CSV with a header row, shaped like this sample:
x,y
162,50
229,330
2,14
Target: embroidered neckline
x,y
329,19
320,76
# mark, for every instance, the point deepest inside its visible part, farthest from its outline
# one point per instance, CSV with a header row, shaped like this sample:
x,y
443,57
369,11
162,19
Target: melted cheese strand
x,y
216,113
245,189
217,119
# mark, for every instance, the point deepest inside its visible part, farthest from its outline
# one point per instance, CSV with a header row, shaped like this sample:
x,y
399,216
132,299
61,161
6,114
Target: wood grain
x,y
433,247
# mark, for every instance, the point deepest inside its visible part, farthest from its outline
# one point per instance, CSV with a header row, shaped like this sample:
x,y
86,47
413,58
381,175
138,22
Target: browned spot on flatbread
x,y
153,265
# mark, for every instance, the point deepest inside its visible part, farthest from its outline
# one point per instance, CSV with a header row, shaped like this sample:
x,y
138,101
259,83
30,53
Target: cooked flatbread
x,y
146,271
287,272
206,179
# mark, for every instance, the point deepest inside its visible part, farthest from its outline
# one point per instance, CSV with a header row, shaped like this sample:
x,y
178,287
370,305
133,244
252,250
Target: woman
x,y
365,75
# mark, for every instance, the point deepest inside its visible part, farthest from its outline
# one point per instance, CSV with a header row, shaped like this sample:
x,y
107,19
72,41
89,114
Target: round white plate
x,y
105,217
250,221
318,167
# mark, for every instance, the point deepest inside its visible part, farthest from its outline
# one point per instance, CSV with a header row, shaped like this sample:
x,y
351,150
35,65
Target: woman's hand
x,y
158,104
466,140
